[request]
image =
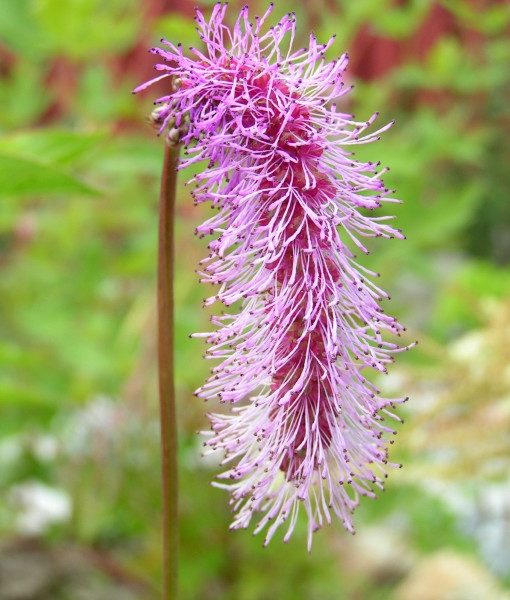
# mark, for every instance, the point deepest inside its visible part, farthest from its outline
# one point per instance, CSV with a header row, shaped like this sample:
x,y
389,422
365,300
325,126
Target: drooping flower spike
x,y
306,428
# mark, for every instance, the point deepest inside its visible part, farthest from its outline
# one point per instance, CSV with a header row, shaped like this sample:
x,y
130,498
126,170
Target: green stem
x,y
166,372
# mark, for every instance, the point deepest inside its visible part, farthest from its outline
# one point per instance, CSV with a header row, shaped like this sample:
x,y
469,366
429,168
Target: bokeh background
x,y
79,455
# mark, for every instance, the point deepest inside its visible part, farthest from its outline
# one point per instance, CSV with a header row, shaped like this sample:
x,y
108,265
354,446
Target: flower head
x,y
306,428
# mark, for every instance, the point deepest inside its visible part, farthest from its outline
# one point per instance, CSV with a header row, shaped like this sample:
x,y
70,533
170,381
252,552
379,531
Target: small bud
x,y
158,115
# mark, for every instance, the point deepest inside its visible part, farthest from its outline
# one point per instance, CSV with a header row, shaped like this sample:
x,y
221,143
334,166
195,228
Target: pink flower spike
x,y
306,428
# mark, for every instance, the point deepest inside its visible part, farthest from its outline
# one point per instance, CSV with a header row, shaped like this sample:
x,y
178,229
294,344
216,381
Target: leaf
x,y
21,177
18,31
22,406
68,25
49,145
20,105
400,21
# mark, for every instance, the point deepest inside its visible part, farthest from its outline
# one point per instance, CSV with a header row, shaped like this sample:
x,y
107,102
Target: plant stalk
x,y
166,372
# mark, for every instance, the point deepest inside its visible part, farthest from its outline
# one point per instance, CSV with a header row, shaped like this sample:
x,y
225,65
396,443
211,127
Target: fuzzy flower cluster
x,y
306,428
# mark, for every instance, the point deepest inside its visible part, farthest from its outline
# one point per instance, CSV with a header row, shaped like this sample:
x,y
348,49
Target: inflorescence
x,y
306,427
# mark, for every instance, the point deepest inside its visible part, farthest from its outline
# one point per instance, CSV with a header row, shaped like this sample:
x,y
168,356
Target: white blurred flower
x,y
94,426
39,506
45,447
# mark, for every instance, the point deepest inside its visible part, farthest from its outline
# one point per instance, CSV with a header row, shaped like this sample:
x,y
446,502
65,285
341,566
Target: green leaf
x,y
20,105
83,28
18,31
400,21
49,145
20,177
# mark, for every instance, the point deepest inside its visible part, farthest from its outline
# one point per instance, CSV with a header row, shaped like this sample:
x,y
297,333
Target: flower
x,y
306,428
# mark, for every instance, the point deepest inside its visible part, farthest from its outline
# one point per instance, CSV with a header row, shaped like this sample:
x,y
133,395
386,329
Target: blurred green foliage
x,y
78,187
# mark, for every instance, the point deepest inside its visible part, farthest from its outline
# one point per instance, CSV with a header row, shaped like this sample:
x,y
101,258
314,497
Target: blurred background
x,y
79,170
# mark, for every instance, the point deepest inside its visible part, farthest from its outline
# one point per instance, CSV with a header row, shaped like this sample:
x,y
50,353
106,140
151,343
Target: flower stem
x,y
166,372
